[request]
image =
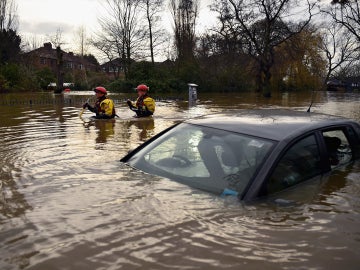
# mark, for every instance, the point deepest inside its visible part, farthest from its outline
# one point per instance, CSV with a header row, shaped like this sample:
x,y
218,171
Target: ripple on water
x,y
68,202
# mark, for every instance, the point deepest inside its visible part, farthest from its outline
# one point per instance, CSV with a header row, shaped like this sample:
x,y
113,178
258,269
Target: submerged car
x,y
252,154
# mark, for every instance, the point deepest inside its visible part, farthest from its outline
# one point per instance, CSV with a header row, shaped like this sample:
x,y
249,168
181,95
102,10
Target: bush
x,y
123,86
14,77
97,78
4,84
11,74
44,76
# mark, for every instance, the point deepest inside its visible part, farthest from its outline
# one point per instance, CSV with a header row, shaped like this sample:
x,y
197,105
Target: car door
x,y
311,156
300,162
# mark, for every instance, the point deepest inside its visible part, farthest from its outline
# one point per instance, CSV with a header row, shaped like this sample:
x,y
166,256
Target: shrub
x,y
44,76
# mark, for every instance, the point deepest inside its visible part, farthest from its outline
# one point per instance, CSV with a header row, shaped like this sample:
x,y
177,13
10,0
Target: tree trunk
x,y
59,73
150,33
266,82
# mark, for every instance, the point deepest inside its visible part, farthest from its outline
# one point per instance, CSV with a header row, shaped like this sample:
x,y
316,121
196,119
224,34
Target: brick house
x,y
46,56
114,68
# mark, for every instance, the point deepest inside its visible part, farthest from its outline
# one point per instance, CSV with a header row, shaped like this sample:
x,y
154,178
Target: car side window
x,y
338,148
300,162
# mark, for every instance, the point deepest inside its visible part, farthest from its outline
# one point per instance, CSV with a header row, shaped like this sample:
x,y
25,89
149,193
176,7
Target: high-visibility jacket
x,y
104,108
144,106
145,103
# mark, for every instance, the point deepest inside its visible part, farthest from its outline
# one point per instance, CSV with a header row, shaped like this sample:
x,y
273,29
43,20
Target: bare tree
x,y
185,14
152,10
57,39
81,40
345,13
339,48
122,32
31,42
8,17
229,34
82,44
265,25
105,46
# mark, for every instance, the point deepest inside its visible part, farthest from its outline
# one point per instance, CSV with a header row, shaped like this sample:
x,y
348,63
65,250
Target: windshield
x,y
214,160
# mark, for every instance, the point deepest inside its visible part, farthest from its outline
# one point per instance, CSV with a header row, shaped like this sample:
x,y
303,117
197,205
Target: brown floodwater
x,y
66,202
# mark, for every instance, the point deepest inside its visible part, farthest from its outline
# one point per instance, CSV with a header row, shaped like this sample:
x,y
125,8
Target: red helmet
x,y
142,87
101,90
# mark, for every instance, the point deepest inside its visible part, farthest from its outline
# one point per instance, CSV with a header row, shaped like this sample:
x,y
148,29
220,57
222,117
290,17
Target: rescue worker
x,y
144,105
104,107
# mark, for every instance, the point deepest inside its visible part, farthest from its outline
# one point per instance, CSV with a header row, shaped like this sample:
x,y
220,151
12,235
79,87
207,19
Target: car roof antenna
x,y
312,100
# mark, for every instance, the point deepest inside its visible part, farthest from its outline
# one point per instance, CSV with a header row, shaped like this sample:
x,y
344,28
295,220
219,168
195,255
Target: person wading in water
x,y
144,105
104,107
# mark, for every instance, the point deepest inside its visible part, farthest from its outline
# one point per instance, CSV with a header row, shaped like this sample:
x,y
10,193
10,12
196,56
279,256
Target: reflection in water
x,y
12,201
104,128
144,125
67,203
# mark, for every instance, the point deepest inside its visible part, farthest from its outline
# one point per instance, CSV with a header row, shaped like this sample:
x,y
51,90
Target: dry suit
x,y
104,108
144,106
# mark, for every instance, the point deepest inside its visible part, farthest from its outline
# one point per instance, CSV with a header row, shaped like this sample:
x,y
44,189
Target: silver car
x,y
252,154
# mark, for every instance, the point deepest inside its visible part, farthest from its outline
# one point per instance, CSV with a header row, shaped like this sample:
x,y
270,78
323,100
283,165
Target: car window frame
x,y
324,160
350,138
264,190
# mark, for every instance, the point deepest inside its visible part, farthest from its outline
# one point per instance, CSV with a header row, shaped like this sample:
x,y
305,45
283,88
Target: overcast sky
x,y
42,18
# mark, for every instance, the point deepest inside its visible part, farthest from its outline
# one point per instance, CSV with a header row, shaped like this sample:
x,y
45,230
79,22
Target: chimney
x,y
48,45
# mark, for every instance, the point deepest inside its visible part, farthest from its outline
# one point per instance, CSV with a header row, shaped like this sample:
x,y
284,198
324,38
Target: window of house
x,y
300,162
42,61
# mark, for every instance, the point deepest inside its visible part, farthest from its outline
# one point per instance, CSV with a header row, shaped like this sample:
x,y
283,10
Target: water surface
x,y
66,202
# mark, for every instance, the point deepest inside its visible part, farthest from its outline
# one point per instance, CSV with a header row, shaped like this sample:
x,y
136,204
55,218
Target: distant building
x,y
114,68
348,84
46,56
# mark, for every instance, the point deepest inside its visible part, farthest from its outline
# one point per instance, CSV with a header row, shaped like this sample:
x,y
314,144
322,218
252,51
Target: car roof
x,y
274,124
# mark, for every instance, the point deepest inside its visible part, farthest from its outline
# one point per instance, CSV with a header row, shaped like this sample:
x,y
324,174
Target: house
x,y
349,84
114,68
46,56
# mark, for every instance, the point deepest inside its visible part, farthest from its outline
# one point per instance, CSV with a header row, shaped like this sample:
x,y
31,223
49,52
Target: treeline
x,y
263,46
